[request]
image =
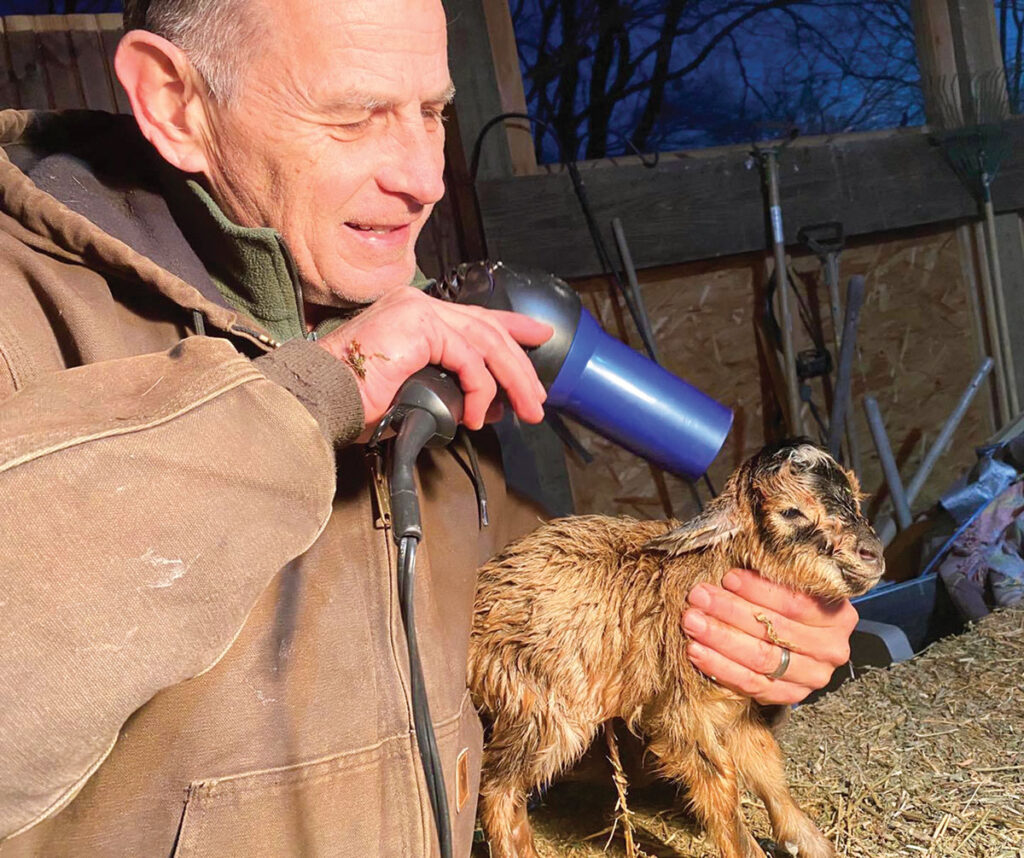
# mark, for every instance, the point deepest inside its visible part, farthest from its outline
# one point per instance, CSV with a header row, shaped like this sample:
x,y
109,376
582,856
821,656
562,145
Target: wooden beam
x,y
96,79
689,208
975,37
935,50
58,61
26,67
510,85
8,86
476,83
111,30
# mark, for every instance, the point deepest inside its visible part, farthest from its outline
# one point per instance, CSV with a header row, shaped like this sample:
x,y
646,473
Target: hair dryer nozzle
x,y
622,395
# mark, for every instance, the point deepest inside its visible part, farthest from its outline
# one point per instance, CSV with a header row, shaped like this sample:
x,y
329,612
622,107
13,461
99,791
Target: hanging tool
x,y
768,156
885,456
886,529
826,241
647,335
973,111
841,397
815,361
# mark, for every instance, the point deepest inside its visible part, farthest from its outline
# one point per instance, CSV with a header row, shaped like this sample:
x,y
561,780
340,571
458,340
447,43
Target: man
x,y
202,652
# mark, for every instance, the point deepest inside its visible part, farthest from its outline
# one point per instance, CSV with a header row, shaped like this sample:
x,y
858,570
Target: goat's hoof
x,y
802,847
774,850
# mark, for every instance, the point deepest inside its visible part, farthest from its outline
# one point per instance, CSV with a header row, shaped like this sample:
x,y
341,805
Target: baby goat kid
x,y
580,622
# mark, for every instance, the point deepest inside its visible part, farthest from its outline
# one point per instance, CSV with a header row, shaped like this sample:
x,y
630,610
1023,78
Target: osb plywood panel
x,y
916,353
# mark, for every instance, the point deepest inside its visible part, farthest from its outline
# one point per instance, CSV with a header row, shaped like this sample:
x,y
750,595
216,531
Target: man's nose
x,y
414,163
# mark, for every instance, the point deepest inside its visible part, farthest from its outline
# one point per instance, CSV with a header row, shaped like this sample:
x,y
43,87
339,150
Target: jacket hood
x,y
87,187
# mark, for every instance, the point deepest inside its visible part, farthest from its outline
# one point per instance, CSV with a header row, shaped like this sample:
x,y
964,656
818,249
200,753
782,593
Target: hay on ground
x,y
923,759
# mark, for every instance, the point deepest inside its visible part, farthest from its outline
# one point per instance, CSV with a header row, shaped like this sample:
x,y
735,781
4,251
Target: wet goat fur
x,y
580,622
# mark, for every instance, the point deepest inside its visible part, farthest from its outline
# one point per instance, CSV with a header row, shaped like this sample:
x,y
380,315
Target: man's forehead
x,y
339,20
350,53
376,98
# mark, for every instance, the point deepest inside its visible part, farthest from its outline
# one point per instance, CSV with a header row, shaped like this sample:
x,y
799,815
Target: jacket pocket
x,y
461,749
351,805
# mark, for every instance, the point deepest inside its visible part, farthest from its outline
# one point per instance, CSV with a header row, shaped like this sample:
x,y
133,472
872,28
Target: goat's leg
x,y
759,761
503,814
704,765
521,755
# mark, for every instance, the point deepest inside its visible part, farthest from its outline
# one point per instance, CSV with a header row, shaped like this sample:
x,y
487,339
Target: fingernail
x,y
700,597
695,622
695,650
731,581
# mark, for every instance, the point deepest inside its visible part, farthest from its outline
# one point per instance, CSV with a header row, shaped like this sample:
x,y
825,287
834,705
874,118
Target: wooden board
x,y
519,133
472,67
93,71
110,33
8,87
689,208
58,61
26,65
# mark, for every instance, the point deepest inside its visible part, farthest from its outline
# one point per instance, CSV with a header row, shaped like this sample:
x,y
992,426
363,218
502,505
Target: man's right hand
x,y
405,330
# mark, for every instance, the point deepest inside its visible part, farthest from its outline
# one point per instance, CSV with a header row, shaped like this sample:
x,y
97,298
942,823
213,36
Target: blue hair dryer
x,y
595,378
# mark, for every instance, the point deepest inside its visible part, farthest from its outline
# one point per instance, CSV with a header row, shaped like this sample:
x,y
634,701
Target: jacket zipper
x,y
381,492
293,273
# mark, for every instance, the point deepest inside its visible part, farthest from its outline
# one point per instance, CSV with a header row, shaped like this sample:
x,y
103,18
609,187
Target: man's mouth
x,y
376,229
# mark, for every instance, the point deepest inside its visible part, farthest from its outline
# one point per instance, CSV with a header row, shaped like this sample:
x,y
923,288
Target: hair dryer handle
x,y
435,391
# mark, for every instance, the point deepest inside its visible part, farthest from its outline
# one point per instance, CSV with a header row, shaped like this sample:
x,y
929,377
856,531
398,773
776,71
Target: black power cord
x,y
427,411
426,742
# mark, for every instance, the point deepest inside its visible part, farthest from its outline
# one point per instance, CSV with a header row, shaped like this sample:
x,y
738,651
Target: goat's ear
x,y
715,525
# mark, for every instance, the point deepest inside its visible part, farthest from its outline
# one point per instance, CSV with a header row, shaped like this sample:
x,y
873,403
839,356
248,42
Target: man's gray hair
x,y
214,34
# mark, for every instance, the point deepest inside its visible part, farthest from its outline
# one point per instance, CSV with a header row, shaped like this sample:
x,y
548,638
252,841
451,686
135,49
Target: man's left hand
x,y
730,644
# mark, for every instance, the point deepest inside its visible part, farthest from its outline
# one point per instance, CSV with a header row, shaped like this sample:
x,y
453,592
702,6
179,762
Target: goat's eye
x,y
793,514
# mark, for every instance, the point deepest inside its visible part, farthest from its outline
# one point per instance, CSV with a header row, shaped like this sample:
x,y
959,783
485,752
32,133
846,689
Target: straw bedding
x,y
922,759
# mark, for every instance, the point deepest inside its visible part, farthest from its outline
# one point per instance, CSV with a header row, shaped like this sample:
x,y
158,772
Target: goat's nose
x,y
870,551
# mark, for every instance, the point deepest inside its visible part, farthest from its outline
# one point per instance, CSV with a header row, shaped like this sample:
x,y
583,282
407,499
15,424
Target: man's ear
x,y
719,522
167,96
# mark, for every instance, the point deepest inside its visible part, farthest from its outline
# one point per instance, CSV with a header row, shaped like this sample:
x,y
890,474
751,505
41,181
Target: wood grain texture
x,y
93,71
472,67
8,87
58,61
706,206
26,63
519,133
110,34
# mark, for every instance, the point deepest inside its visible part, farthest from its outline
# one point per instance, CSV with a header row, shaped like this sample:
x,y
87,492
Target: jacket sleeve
x,y
144,505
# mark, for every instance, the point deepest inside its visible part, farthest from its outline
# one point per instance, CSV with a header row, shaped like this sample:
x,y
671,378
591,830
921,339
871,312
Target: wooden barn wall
x,y
915,354
916,350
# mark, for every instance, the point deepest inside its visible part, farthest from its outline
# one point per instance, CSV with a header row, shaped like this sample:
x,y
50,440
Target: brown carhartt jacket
x,y
200,646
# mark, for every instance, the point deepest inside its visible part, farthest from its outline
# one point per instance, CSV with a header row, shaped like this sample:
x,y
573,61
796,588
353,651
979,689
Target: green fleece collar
x,y
252,267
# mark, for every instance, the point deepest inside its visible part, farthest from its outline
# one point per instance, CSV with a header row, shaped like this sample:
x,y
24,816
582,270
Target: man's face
x,y
335,139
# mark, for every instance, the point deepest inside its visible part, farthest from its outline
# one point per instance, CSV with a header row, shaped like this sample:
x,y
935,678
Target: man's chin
x,y
358,288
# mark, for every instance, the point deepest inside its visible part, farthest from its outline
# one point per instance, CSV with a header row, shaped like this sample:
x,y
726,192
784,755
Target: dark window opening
x,y
614,76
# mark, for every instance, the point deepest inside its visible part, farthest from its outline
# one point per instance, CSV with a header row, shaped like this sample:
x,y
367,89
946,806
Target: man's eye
x,y
358,125
434,114
792,514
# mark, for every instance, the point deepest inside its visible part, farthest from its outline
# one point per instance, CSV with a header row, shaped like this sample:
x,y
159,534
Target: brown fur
x,y
580,622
